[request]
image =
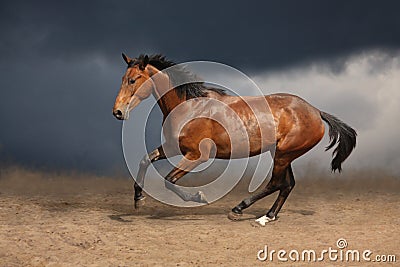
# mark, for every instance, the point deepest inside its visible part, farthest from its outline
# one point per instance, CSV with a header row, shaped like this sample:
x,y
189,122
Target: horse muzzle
x,y
122,112
118,114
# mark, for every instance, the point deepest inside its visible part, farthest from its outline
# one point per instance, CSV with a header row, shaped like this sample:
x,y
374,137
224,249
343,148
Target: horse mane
x,y
190,90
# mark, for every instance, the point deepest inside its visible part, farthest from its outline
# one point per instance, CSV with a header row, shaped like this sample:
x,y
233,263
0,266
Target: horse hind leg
x,y
283,180
275,184
286,187
237,212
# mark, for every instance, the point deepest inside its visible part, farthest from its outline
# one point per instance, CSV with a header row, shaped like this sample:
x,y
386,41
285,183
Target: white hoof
x,y
265,219
201,197
140,203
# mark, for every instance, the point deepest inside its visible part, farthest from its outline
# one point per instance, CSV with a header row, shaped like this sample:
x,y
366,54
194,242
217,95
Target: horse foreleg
x,y
183,167
153,156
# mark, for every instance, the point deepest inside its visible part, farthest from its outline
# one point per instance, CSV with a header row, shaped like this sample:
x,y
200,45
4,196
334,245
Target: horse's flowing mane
x,y
190,90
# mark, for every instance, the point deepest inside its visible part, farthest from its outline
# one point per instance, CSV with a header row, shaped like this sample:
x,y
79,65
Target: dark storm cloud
x,y
60,61
261,34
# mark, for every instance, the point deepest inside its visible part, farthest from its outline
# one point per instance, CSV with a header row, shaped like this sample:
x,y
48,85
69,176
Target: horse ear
x,y
126,58
144,62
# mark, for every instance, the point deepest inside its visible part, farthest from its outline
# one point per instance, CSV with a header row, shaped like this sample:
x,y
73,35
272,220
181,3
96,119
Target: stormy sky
x,y
61,68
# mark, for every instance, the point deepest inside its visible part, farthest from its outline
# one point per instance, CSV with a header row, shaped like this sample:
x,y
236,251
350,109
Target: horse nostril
x,y
118,114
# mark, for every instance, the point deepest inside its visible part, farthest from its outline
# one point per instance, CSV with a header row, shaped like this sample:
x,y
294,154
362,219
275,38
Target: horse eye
x,y
131,81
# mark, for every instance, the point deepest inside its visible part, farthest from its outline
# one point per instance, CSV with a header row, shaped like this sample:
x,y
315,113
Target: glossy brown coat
x,y
290,127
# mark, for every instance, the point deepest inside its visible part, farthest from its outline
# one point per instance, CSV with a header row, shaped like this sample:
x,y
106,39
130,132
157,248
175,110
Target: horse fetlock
x,y
200,197
140,202
237,210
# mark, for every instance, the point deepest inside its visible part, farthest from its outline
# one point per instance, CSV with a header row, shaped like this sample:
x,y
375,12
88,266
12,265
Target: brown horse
x,y
297,127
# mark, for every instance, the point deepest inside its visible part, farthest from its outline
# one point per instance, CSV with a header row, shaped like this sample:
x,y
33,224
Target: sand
x,y
50,219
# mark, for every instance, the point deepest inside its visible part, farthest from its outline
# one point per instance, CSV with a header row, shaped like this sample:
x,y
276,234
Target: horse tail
x,y
344,135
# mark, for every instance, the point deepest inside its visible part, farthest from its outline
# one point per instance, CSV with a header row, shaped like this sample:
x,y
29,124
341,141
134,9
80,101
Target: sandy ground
x,y
65,220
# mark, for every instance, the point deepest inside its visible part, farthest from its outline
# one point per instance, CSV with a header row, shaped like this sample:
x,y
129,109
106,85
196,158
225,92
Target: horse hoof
x,y
140,203
233,216
264,220
201,197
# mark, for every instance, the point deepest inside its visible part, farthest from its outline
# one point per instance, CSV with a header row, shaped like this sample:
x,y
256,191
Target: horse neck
x,y
167,98
168,101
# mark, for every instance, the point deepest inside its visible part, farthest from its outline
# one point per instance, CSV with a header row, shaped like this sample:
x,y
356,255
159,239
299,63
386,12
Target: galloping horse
x,y
298,128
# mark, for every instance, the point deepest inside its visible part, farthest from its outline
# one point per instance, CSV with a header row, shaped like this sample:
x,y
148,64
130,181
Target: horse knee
x,y
144,162
169,184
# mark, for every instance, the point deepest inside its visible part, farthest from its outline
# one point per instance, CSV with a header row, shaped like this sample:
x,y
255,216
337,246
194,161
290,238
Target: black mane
x,y
190,90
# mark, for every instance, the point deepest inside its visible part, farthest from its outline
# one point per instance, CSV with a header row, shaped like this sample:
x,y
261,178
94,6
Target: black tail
x,y
344,135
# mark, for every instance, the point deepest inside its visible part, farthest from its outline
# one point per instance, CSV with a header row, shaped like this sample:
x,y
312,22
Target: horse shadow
x,y
187,214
